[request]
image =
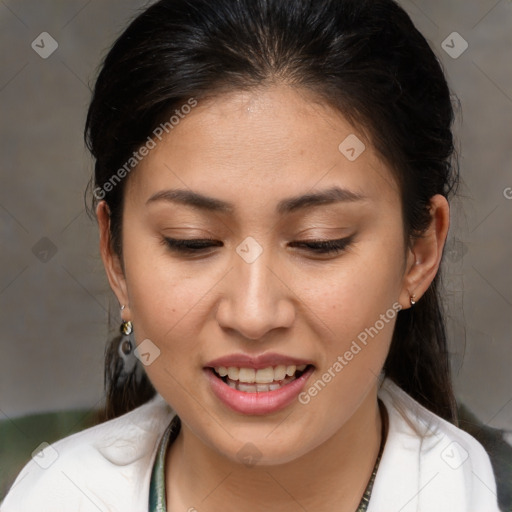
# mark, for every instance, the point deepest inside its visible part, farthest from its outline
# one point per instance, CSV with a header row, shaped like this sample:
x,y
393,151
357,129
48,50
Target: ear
x,y
111,261
424,256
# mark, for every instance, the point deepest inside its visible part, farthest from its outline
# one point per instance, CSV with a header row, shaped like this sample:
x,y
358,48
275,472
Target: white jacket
x,y
428,465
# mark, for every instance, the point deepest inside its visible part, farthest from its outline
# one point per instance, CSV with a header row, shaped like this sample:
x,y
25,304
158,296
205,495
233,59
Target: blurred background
x,y
56,309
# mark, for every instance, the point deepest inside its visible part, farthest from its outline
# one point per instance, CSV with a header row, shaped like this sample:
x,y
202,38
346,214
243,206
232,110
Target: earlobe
x,y
111,261
426,252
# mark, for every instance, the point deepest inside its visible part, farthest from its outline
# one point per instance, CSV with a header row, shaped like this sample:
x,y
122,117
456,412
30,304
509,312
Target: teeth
x,y
222,371
280,372
258,388
242,386
262,376
265,376
247,375
290,370
233,373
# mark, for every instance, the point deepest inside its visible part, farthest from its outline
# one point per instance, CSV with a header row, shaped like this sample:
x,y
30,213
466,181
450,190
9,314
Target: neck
x,y
333,476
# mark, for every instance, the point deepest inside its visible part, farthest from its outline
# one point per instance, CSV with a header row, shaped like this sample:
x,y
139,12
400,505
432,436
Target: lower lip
x,y
257,403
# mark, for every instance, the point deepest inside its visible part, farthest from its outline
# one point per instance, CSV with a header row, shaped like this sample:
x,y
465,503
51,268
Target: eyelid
x,y
316,246
325,246
185,243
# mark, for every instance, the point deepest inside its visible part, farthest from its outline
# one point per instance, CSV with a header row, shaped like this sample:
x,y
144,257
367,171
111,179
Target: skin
x,y
253,149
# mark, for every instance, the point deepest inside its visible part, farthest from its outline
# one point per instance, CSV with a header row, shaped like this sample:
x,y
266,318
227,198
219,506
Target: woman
x,y
271,186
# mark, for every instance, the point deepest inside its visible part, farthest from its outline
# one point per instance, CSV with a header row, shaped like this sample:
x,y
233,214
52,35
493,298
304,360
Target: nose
x,y
256,298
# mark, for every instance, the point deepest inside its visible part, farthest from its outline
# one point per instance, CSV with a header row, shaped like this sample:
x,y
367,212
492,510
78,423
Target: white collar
x,y
428,465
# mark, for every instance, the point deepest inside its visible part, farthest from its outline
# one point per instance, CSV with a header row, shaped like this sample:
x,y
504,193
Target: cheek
x,y
163,301
357,306
353,295
167,309
360,310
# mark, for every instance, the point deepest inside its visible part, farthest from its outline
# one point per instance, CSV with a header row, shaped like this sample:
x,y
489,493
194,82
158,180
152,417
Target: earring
x,y
128,367
126,353
412,300
126,346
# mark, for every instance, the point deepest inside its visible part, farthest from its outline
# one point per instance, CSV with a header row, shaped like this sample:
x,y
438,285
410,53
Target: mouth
x,y
257,386
263,380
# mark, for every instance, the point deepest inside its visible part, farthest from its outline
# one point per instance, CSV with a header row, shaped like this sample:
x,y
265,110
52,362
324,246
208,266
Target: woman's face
x,y
262,174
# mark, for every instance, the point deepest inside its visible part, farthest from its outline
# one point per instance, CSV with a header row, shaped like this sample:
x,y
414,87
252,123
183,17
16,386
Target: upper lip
x,y
256,362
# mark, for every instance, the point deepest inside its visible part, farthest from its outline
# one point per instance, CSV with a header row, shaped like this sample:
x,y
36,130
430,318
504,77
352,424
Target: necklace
x,y
157,485
365,500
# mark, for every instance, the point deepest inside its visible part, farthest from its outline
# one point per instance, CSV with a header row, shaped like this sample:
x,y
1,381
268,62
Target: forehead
x,y
262,145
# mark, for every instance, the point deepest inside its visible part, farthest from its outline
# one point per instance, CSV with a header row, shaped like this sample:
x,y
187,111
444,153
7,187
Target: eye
x,y
191,246
201,244
324,246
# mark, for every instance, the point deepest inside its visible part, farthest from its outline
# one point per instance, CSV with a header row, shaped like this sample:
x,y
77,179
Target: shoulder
x,y
429,463
95,469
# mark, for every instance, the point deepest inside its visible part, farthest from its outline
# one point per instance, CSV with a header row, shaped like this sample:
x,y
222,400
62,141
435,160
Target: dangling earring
x,y
126,352
126,345
412,300
127,370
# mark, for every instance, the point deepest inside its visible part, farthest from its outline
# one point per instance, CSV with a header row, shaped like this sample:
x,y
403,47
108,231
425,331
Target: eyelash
x,y
316,246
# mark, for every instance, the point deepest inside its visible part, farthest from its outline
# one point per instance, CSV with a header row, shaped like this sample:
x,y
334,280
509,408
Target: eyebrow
x,y
194,199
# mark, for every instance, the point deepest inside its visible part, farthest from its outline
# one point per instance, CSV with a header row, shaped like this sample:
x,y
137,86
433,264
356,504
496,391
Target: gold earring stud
x,y
412,300
126,328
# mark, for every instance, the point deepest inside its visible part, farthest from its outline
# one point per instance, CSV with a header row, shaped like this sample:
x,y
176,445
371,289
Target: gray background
x,y
55,303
